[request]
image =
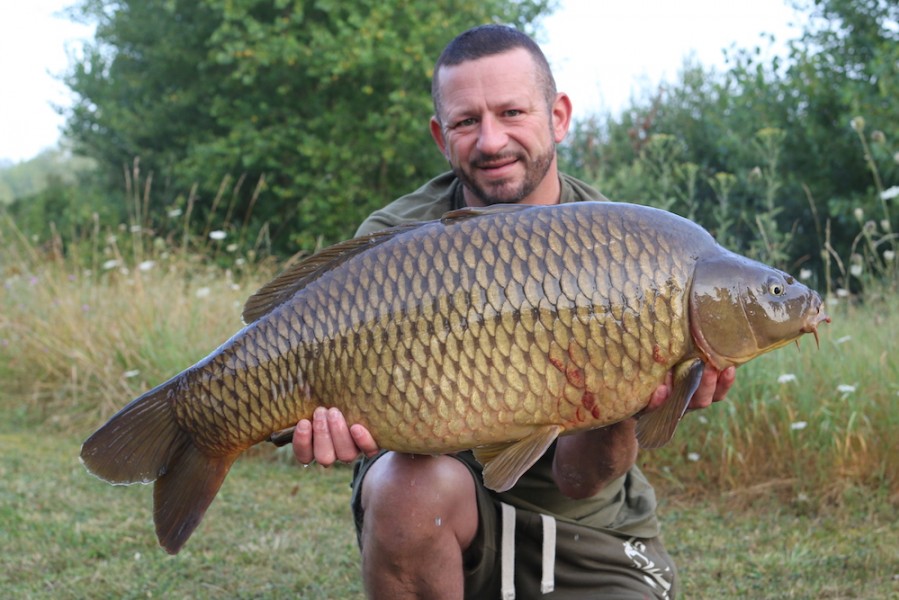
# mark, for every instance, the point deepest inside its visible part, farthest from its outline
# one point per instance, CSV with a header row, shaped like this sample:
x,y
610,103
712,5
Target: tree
x,y
769,151
323,103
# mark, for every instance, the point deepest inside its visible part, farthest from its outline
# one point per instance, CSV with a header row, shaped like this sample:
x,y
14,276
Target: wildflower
x,y
110,264
217,235
231,248
131,373
842,293
798,425
174,213
859,214
856,270
692,456
805,274
858,123
203,292
786,378
844,388
878,137
890,193
146,265
889,255
885,225
135,229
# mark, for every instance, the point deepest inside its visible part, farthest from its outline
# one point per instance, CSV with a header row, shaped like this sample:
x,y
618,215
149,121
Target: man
x,y
584,515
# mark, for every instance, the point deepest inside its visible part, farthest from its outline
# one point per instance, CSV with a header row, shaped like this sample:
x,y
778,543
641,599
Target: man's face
x,y
497,131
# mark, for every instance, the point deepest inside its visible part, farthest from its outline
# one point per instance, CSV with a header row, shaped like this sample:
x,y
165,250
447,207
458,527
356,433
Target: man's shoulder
x,y
430,201
575,190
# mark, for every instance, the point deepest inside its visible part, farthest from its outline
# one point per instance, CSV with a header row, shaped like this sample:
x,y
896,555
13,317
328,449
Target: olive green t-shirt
x,y
625,506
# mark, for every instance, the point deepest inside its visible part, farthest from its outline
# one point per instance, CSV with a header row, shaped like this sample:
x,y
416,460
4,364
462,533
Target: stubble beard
x,y
506,191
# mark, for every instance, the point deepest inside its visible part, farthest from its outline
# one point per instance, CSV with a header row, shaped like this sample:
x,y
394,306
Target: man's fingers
x,y
302,442
345,447
322,444
364,441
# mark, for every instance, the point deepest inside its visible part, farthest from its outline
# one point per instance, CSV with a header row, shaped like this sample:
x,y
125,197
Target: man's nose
x,y
492,136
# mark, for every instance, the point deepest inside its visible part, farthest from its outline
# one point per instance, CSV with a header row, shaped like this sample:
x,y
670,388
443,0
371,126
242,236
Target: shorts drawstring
x,y
507,553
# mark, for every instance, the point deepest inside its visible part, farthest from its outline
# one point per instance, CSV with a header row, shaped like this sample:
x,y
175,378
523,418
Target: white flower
x,y
842,293
203,292
844,388
146,265
218,234
231,248
805,274
175,213
890,193
692,456
855,270
859,214
798,425
889,255
110,264
135,229
786,378
130,374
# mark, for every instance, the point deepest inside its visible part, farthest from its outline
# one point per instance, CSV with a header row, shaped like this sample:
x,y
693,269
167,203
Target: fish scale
x,y
496,329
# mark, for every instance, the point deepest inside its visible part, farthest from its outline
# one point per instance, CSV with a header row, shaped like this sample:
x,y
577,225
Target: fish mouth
x,y
815,318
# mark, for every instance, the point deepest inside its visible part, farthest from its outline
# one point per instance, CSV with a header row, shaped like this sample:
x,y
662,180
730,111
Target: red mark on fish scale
x,y
657,355
575,376
589,402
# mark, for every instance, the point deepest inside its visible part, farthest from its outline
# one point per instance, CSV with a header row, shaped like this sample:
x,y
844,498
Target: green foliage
x,y
319,106
775,157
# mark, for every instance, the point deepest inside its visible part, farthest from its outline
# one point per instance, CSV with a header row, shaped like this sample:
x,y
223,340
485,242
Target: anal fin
x,y
182,495
504,464
656,428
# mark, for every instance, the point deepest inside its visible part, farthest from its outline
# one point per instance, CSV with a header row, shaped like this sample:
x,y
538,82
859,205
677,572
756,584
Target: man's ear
x,y
437,134
561,114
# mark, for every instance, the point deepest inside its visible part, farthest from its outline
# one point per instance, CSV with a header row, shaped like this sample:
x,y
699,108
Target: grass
x,y
787,490
277,531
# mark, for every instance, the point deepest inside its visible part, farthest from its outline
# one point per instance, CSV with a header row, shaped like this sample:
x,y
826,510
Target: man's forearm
x,y
585,462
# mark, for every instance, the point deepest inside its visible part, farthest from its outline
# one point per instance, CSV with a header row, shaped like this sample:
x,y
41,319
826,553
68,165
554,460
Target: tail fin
x,y
142,443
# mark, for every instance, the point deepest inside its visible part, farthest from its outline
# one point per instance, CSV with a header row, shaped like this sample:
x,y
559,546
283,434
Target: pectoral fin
x,y
505,463
656,428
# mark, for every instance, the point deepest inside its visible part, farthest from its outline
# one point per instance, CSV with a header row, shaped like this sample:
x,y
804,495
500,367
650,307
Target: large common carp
x,y
495,329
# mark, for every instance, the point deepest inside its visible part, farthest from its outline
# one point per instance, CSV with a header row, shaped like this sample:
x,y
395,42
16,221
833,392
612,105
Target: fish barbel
x,y
494,329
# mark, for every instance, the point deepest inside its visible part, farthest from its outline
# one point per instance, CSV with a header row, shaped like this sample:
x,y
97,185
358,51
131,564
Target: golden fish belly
x,y
464,336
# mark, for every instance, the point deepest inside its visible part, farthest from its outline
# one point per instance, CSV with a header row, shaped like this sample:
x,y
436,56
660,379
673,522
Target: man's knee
x,y
419,498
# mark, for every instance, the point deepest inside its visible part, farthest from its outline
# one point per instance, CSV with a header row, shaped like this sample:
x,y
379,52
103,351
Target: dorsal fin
x,y
461,214
296,277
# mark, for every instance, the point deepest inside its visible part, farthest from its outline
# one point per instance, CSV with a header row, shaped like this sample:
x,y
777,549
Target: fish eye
x,y
776,288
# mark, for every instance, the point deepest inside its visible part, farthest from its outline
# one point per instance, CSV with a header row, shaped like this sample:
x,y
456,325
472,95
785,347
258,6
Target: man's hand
x,y
712,388
328,439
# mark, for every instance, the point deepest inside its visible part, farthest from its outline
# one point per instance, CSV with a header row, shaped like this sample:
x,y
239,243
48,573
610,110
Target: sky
x,y
602,52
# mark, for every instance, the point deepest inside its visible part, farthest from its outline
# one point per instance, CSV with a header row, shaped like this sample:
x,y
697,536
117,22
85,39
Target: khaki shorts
x,y
584,563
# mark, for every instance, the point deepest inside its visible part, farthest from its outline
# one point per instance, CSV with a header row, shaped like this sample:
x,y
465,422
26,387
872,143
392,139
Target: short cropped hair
x,y
490,40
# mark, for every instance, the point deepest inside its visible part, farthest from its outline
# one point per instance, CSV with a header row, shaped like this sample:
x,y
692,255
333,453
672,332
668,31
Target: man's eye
x,y
513,113
466,122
